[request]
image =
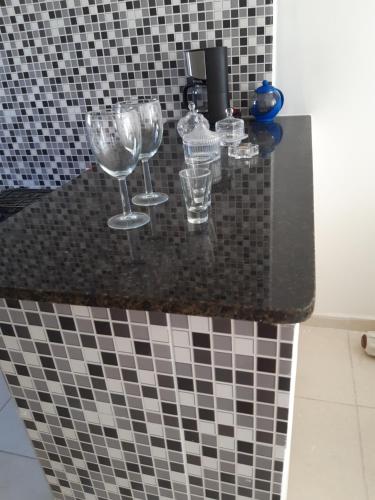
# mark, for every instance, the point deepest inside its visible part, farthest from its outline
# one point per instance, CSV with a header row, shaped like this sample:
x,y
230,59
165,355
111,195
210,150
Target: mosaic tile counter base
x,y
124,405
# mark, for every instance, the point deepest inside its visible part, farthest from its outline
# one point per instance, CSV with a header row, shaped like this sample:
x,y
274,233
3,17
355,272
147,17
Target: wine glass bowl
x,y
116,142
151,121
116,148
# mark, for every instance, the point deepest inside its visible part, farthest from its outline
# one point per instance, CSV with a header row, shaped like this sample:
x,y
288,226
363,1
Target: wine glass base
x,y
129,221
149,199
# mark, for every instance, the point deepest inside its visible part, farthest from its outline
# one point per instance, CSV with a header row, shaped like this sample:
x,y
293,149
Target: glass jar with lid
x,y
191,120
231,130
201,146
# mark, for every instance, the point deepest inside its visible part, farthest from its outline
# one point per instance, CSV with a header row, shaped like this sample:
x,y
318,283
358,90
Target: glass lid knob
x,y
191,106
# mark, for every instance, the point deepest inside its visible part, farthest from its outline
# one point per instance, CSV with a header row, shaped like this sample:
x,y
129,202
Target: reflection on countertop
x,y
254,259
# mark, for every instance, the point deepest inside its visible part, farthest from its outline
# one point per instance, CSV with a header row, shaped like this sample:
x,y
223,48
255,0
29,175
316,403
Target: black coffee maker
x,y
207,82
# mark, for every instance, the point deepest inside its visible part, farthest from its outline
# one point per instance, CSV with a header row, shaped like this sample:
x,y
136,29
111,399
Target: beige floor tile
x,y
324,367
364,372
325,458
367,429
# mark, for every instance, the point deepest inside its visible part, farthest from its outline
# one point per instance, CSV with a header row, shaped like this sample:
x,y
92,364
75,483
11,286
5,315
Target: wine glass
x,y
151,119
116,141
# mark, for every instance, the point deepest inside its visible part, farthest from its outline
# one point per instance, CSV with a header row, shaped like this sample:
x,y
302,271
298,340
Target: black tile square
x,y
157,318
22,332
284,384
109,358
245,447
264,396
185,384
54,336
201,340
33,319
245,407
226,430
267,331
129,375
118,314
67,323
88,341
205,414
221,325
95,370
244,378
102,327
7,329
203,357
121,329
166,381
204,387
223,375
209,451
142,348
46,307
149,392
286,350
266,365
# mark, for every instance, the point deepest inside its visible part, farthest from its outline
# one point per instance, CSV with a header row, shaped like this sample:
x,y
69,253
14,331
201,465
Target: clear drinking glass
x,y
151,120
116,141
196,186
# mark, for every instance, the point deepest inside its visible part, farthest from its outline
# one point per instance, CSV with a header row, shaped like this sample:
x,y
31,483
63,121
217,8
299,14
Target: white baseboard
x,y
342,322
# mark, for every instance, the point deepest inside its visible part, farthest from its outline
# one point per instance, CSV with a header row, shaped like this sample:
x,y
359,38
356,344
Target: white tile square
x,y
151,404
199,324
81,311
155,429
223,390
243,346
37,332
159,333
146,377
12,343
91,355
224,418
226,442
182,355
207,427
186,398
180,338
123,345
114,385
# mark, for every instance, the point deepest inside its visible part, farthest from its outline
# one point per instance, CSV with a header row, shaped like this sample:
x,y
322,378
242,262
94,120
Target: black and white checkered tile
x,y
125,405
60,58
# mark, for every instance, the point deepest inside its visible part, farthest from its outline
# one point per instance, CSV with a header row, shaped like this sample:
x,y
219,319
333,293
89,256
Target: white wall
x,y
325,64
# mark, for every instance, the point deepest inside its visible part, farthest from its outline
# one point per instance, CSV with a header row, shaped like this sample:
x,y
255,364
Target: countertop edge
x,y
175,306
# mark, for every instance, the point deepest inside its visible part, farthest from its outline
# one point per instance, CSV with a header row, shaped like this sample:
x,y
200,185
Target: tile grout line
x,y
318,400
363,468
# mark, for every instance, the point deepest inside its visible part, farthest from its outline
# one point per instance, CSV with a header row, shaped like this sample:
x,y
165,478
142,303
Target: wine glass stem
x,y
147,177
126,207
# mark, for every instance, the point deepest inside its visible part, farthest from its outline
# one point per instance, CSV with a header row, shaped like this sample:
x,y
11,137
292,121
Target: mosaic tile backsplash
x,y
61,58
124,404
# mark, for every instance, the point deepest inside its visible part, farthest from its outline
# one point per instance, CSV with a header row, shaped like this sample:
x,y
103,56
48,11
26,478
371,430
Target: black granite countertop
x,y
254,260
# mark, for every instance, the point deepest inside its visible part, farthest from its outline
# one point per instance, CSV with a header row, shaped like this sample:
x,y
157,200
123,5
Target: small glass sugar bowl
x,y
191,120
201,146
231,130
